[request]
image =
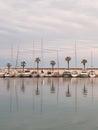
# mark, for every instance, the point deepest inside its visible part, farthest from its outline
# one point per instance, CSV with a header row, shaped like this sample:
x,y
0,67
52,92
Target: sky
x,y
56,24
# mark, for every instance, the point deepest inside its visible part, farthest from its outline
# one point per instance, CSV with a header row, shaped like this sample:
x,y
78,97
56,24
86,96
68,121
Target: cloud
x,y
47,16
58,22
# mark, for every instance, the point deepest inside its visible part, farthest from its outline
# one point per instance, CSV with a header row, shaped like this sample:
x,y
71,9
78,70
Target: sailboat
x,y
75,73
92,73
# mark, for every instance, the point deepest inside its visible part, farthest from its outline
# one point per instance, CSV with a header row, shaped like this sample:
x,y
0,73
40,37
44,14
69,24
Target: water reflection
x,y
43,87
37,92
52,86
68,93
42,102
23,85
85,90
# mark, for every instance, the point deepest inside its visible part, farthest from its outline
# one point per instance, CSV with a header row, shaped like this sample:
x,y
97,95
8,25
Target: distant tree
x,y
23,64
8,66
68,58
84,61
52,63
37,60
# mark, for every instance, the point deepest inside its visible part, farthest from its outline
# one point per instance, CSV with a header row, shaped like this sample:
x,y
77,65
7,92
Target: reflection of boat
x,y
84,74
92,74
66,74
74,73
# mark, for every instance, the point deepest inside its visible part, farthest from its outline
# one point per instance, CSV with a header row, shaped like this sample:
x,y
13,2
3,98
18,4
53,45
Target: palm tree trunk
x,y
84,66
68,65
23,68
37,68
8,69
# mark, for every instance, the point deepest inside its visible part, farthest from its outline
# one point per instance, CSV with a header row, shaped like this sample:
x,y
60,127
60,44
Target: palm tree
x,y
23,64
52,62
68,58
37,60
84,61
9,66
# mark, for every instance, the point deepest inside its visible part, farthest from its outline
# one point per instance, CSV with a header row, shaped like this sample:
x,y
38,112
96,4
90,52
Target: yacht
x,y
74,74
84,74
66,74
92,74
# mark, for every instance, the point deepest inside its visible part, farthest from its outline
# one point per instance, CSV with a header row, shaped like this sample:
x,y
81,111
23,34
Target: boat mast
x,y
75,56
12,55
91,59
17,57
33,55
42,53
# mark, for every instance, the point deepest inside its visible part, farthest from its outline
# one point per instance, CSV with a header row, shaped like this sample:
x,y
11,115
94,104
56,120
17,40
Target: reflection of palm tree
x,y
68,58
23,64
8,66
8,84
84,61
23,86
37,89
85,90
37,60
68,93
52,62
52,87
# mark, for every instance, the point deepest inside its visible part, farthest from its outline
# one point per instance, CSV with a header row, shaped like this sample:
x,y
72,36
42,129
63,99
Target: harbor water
x,y
48,103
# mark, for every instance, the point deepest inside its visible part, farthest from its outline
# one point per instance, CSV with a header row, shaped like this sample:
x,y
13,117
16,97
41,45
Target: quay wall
x,y
60,70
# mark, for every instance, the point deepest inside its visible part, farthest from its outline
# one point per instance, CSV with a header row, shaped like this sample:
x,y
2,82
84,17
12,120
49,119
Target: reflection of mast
x,y
41,102
58,91
33,101
92,90
16,96
8,86
76,97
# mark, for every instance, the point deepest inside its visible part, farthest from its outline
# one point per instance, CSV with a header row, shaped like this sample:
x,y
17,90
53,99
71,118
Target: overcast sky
x,y
58,23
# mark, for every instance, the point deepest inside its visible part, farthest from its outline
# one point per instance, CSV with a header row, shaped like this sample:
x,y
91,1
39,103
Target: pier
x,y
43,72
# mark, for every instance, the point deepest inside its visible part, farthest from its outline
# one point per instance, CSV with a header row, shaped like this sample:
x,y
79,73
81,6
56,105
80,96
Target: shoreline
x,y
47,72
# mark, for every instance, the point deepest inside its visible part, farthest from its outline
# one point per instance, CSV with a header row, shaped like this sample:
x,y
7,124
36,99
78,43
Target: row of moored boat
x,y
66,74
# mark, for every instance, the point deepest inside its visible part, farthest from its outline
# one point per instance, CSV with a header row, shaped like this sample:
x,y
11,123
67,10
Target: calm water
x,y
48,104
